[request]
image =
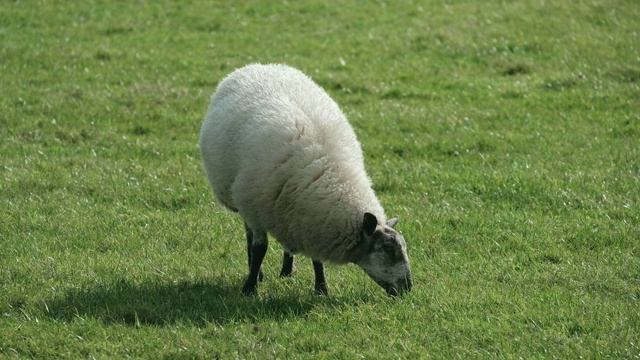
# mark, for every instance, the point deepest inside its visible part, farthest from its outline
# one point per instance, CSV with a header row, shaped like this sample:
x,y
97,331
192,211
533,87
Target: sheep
x,y
279,151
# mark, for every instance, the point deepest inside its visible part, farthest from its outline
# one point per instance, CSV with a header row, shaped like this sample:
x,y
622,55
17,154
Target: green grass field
x,y
506,135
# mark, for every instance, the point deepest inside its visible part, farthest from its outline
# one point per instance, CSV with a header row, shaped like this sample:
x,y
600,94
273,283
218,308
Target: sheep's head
x,y
383,255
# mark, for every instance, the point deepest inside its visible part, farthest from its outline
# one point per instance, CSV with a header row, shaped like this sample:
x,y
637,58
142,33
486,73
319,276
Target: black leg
x,y
287,265
249,233
321,280
258,250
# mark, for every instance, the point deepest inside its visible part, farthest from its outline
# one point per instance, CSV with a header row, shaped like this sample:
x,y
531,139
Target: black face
x,y
391,243
385,260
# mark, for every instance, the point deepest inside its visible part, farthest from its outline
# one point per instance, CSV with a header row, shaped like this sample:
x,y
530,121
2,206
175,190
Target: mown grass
x,y
504,134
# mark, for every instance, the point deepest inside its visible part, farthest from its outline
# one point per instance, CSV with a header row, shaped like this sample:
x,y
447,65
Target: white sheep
x,y
279,151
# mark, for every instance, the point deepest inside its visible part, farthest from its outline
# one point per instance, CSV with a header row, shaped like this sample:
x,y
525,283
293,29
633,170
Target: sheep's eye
x,y
389,243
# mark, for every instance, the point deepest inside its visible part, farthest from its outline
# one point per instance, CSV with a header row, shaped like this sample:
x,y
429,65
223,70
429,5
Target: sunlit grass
x,y
504,134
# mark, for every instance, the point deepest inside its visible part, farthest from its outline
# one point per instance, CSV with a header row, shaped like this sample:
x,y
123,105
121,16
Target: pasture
x,y
505,134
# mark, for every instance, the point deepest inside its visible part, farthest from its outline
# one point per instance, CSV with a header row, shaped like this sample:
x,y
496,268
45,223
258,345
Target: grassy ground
x,y
504,134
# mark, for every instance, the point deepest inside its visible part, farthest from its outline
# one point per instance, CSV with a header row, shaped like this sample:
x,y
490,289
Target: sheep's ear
x,y
369,224
392,222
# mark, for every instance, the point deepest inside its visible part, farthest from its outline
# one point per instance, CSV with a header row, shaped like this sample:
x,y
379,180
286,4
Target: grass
x,y
504,134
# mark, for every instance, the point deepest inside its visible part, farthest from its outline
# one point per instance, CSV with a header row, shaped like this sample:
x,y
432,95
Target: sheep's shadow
x,y
160,304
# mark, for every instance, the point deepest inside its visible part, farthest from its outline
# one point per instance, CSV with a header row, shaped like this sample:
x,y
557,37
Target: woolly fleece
x,y
278,150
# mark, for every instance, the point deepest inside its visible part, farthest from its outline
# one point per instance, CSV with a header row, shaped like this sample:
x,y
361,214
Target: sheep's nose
x,y
409,282
404,286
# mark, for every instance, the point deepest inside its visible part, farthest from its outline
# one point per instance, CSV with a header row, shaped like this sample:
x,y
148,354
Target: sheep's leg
x,y
249,233
258,250
321,280
287,265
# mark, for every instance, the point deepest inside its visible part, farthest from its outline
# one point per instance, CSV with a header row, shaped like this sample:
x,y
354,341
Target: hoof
x,y
250,289
322,289
285,274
